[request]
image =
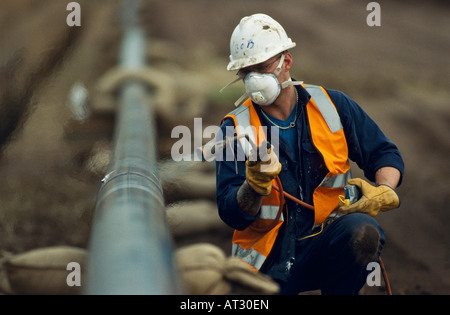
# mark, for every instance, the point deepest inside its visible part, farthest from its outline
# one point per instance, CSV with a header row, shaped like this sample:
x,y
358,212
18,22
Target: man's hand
x,y
374,199
261,172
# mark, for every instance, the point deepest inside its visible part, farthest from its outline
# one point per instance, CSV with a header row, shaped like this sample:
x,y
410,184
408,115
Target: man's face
x,y
267,66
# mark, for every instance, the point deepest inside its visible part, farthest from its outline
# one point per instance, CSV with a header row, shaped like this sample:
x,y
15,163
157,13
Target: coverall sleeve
x,y
230,175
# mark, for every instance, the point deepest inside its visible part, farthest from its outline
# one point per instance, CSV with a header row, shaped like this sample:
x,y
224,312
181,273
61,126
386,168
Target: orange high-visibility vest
x,y
254,244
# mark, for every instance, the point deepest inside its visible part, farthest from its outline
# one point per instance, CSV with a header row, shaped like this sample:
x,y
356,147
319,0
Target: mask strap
x,y
280,64
290,82
241,99
232,82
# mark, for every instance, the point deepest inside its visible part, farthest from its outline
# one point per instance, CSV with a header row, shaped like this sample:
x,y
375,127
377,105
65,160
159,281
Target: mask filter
x,y
263,89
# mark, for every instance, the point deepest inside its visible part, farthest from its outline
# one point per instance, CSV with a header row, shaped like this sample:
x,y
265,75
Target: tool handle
x,y
257,149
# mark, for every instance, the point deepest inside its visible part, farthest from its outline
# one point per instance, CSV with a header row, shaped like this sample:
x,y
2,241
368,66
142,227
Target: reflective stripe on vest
x,y
250,256
328,136
242,117
325,106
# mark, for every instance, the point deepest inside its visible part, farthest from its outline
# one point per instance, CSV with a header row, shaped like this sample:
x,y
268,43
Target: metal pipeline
x,y
130,249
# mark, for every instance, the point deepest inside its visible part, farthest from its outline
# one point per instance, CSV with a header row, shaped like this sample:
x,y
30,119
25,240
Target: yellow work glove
x,y
261,172
374,199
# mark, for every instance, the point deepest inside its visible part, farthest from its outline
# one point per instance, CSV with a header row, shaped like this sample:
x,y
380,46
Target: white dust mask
x,y
263,88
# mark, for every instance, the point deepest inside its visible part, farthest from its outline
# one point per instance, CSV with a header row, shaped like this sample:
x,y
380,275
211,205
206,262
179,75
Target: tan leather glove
x,y
374,199
260,173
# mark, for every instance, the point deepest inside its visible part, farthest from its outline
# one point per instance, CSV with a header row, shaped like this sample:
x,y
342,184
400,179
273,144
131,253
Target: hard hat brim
x,y
247,62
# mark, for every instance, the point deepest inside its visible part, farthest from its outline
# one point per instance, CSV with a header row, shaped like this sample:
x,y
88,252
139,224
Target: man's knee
x,y
366,244
365,237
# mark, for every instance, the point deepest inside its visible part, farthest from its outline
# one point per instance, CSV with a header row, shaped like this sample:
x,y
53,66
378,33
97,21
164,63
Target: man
x,y
285,200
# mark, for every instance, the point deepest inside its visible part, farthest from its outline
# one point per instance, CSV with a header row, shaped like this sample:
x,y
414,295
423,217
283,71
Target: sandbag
x,y
205,270
201,269
186,180
44,271
5,287
191,217
246,280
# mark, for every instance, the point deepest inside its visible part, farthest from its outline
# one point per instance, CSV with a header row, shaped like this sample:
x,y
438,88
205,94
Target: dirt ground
x,y
398,72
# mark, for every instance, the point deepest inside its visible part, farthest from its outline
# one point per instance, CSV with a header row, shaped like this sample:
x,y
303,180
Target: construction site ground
x,y
51,164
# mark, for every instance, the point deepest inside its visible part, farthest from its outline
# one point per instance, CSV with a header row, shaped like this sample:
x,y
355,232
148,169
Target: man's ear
x,y
288,60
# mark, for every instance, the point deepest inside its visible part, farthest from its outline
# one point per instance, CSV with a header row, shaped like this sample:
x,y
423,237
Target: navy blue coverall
x,y
335,260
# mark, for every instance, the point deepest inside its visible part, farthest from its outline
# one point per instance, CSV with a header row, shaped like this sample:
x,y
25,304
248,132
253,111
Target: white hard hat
x,y
256,39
